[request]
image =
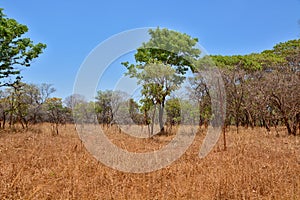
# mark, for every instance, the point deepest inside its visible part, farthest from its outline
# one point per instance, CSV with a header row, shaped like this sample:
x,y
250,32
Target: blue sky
x,y
72,28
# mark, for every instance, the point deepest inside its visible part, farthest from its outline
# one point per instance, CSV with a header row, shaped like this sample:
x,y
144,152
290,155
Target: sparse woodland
x,y
262,90
262,124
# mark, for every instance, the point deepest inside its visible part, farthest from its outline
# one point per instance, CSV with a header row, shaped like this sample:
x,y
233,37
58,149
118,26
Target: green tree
x,y
23,103
290,51
56,112
83,112
134,111
173,111
15,50
103,107
161,65
263,87
238,71
107,105
199,91
282,85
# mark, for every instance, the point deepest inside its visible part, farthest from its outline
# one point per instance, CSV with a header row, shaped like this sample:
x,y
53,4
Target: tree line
x,y
262,89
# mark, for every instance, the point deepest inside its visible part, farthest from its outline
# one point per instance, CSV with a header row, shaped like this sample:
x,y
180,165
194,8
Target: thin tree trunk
x,y
266,124
294,130
153,121
287,124
237,122
224,137
222,117
4,121
22,124
200,118
298,121
160,117
56,128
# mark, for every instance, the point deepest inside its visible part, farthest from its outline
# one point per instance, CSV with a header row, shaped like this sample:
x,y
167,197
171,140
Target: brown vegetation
x,y
256,165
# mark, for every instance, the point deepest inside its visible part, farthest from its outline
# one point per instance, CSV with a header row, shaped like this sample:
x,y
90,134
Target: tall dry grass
x,y
257,165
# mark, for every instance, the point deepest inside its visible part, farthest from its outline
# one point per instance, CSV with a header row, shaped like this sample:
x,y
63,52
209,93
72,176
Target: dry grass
x,y
256,165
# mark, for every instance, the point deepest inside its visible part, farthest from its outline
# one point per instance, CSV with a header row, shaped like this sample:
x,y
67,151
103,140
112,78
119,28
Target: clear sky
x,y
72,28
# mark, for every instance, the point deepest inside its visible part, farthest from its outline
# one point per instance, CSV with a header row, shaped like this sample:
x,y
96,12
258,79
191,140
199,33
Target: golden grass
x,y
256,165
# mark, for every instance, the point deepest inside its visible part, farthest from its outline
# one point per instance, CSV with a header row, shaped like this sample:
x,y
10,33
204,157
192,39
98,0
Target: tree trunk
x,y
4,121
298,121
200,118
160,117
153,121
294,130
237,122
56,128
224,136
287,124
266,124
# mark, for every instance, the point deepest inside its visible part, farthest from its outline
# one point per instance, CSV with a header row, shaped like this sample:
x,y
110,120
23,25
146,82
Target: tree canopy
x,y
15,50
161,64
262,88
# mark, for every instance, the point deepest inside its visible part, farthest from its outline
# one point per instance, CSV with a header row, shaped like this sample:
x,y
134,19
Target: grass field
x,y
257,165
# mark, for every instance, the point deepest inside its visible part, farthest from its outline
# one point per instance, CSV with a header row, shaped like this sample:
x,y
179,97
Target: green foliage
x,y
190,113
14,49
107,105
138,113
289,52
56,112
173,111
260,87
161,64
103,106
251,62
237,61
83,112
170,48
288,48
133,110
54,104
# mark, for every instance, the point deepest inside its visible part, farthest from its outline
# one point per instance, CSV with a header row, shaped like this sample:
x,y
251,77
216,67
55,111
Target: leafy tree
x,y
161,64
134,111
15,50
238,71
103,107
37,96
173,111
5,107
107,105
17,103
189,112
262,88
83,112
198,90
290,51
23,103
56,112
283,82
